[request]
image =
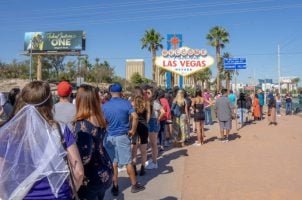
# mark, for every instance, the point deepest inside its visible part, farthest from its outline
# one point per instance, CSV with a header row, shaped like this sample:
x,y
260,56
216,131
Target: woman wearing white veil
x,y
32,164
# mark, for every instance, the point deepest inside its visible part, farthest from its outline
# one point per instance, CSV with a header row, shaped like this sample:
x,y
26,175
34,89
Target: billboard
x,y
55,41
184,61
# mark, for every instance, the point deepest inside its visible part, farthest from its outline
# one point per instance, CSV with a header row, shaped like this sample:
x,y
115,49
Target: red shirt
x,y
165,104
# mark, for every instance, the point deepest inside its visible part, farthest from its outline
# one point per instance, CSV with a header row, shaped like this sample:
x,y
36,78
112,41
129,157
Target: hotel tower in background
x,y
134,66
138,66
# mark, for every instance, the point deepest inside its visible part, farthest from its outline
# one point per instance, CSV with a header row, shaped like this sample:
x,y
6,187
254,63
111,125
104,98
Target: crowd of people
x,y
74,147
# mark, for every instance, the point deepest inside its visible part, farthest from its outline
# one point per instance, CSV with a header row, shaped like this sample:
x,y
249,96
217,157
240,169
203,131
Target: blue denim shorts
x,y
153,125
118,148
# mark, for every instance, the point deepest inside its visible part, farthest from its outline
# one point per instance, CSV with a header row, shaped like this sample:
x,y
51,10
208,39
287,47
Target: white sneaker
x,y
151,165
197,144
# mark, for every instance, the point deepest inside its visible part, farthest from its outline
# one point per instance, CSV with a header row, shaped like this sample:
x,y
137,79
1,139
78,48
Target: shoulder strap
x,y
63,142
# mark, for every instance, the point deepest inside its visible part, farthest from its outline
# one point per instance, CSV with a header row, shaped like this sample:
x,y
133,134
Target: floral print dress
x,y
98,168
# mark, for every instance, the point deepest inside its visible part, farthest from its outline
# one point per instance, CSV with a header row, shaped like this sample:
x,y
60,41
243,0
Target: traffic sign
x,y
234,63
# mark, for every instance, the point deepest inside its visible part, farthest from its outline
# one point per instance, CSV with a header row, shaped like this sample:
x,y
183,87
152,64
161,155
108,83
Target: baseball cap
x,y
64,89
116,87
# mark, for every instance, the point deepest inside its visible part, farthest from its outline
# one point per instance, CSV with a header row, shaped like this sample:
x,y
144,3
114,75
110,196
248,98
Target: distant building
x,y
134,66
237,87
264,81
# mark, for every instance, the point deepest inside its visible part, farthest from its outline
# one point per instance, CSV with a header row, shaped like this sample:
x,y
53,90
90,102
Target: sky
x,y
114,29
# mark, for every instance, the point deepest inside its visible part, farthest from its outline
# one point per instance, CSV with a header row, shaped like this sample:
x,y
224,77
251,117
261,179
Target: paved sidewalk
x,y
260,162
164,183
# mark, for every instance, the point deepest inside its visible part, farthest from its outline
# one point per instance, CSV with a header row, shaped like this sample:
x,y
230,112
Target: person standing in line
x,y
6,106
207,107
180,117
271,109
90,131
169,124
256,108
117,112
64,111
232,98
13,95
242,108
278,104
34,149
199,116
157,112
249,103
163,121
142,108
188,122
224,111
300,98
261,102
288,103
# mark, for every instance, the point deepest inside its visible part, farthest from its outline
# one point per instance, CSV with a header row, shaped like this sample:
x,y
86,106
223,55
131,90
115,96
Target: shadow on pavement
x,y
211,139
234,136
163,168
169,198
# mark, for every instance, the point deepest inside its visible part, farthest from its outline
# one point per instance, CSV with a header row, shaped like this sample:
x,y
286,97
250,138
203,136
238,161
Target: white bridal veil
x,y
30,149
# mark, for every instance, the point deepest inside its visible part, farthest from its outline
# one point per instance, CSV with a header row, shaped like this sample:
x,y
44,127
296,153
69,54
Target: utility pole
x,y
279,70
30,61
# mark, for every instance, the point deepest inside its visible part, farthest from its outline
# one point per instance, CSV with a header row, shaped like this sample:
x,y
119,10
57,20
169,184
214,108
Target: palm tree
x,y
217,38
227,74
152,40
97,61
204,76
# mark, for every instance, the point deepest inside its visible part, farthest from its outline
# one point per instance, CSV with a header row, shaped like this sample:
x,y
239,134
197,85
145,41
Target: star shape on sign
x,y
175,41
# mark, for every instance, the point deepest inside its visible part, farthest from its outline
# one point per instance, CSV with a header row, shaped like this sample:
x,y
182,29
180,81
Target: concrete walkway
x,y
260,162
164,183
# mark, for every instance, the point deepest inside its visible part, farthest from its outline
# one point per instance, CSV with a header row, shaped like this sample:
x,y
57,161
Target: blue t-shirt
x,y
41,189
261,99
117,112
232,98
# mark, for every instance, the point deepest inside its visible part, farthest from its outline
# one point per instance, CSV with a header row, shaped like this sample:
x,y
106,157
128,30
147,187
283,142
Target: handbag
x,y
175,110
73,188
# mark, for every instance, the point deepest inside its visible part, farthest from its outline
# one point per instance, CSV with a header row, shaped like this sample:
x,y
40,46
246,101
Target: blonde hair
x,y
180,98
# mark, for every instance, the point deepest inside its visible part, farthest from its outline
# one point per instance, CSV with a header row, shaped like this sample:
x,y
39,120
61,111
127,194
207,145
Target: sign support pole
x,y
236,121
39,68
173,41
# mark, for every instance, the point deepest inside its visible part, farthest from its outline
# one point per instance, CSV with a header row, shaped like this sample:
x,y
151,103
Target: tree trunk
x,y
218,67
195,81
202,84
227,83
154,77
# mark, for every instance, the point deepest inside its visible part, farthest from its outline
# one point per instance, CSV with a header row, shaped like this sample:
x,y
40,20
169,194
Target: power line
x,y
96,6
136,10
176,16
